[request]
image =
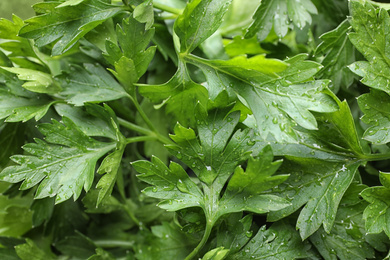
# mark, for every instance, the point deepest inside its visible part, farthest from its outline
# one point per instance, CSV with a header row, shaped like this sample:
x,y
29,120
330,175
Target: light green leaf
x,y
194,25
91,83
63,165
22,108
30,251
240,46
37,81
143,13
76,21
280,241
318,184
15,215
278,14
375,106
70,3
218,253
339,52
370,37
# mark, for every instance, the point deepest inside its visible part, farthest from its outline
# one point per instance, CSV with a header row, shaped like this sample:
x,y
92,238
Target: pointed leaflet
x,y
243,192
91,83
371,38
280,241
339,52
9,31
66,25
172,184
377,214
319,185
278,13
194,25
376,109
179,95
37,81
64,164
129,55
348,238
279,97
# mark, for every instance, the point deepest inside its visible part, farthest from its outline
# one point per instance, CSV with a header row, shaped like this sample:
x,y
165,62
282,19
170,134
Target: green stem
x,y
167,8
141,112
140,139
376,157
134,127
113,243
206,235
131,215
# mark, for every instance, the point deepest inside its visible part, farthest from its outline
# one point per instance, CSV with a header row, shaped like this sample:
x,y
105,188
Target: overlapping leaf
x,y
76,21
91,83
193,31
279,97
371,38
63,165
375,107
130,56
339,52
377,213
277,14
348,238
280,241
179,95
318,185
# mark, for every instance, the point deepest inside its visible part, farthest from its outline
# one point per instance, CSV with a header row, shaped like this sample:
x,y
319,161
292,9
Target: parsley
x,y
202,129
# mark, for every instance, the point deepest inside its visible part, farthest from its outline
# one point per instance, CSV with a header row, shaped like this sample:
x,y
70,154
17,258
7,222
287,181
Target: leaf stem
x,y
133,127
376,157
167,8
140,139
205,237
142,112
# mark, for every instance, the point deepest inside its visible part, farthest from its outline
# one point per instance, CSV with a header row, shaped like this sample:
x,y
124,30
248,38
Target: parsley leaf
x,y
76,21
64,164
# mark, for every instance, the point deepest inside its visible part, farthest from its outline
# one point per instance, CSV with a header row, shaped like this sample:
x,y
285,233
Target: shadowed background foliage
x,y
21,8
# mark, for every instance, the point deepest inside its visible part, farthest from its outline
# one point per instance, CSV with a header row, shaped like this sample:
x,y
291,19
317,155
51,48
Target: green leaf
x,y
30,251
318,184
94,120
377,212
166,242
143,13
12,42
279,97
239,46
91,83
216,254
370,37
339,52
194,25
10,141
64,164
130,55
179,95
348,238
375,107
280,241
37,81
172,185
76,21
15,215
278,14
243,192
